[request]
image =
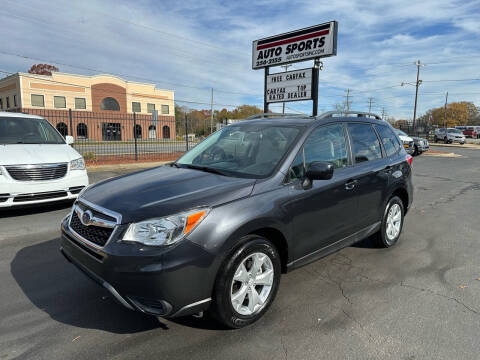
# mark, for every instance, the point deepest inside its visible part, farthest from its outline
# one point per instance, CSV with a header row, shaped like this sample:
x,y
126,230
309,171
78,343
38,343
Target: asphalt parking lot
x,y
417,300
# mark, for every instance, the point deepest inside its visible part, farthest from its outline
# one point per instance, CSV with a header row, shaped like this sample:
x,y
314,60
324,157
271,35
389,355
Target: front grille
x,y
40,196
95,234
39,172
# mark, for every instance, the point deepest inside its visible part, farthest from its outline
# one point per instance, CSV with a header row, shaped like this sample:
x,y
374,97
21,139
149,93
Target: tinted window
x,y
297,170
59,102
389,140
326,143
136,107
366,146
165,109
110,103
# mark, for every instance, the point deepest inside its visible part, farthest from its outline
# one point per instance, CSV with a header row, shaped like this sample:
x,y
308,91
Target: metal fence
x,y
423,132
112,138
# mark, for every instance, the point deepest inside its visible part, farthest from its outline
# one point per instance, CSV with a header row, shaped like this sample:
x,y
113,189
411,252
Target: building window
x,y
1,103
62,128
110,103
7,100
15,101
166,132
152,132
137,131
80,103
165,109
111,132
59,102
150,108
136,107
37,100
82,131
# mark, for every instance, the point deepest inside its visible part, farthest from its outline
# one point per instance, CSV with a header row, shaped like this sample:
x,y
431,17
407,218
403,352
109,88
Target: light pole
x,y
417,84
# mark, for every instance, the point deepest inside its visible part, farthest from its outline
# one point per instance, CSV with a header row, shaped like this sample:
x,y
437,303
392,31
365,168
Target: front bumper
x,y
169,282
22,193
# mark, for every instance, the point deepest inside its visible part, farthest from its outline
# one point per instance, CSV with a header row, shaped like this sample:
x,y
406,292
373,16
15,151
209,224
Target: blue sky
x,y
191,46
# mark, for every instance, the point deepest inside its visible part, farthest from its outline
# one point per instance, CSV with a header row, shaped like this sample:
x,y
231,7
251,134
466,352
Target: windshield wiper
x,y
207,169
175,164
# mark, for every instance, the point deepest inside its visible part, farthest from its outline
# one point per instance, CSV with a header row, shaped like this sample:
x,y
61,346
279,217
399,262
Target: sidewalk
x,y
465,146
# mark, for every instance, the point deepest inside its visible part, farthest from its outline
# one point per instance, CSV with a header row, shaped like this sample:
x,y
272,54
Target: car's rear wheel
x,y
435,139
247,283
416,152
392,223
445,140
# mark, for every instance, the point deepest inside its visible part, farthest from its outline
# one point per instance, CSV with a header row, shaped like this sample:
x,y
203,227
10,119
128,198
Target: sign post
x,y
314,42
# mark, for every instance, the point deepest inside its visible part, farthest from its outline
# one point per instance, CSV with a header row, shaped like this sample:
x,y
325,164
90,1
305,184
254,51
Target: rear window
x,y
366,146
389,140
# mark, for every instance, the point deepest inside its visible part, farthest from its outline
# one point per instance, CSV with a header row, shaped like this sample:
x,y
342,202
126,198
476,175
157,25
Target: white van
x,y
37,164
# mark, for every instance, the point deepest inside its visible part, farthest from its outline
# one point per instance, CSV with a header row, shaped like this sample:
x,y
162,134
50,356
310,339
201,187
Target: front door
x,y
322,214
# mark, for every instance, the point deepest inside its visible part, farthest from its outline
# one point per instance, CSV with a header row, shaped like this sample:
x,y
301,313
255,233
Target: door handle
x,y
350,184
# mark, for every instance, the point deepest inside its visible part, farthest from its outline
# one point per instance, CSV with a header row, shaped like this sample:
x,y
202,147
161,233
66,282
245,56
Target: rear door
x,y
370,173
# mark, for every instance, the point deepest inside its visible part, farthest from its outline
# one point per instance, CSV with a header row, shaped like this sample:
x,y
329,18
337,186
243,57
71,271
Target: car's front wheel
x,y
247,283
392,223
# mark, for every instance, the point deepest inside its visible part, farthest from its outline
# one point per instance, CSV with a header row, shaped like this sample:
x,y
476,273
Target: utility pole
x,y
211,112
370,102
285,67
383,113
347,102
418,63
445,113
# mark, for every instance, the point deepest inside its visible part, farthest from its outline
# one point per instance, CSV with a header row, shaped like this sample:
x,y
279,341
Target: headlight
x,y
166,230
77,164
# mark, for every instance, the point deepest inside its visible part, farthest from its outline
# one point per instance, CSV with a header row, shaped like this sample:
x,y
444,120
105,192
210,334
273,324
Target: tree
x,y
42,69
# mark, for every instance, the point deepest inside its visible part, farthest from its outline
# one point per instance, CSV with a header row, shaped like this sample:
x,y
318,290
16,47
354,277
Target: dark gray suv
x,y
216,228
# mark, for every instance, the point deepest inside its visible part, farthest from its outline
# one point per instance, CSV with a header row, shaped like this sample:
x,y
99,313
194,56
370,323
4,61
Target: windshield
x,y
454,131
17,130
245,150
401,133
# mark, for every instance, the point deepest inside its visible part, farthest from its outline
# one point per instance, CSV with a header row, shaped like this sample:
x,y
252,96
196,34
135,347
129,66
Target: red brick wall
x,y
103,90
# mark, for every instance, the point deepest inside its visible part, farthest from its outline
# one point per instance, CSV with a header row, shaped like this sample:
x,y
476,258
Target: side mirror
x,y
69,139
320,170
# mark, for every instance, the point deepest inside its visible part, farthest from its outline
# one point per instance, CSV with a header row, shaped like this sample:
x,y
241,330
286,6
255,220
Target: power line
x,y
123,75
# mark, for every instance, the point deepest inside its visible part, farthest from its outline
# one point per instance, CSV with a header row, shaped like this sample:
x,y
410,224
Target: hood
x,y
405,138
17,154
165,190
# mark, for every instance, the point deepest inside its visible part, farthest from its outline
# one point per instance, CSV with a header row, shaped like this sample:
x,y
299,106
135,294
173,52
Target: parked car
x,y
407,141
216,228
37,165
472,132
420,145
449,135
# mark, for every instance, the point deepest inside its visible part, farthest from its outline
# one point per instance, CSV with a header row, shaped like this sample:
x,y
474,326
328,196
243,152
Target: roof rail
x,y
346,113
267,115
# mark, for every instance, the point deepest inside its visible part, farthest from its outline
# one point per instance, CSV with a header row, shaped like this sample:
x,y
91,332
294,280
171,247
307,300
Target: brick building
x,y
97,108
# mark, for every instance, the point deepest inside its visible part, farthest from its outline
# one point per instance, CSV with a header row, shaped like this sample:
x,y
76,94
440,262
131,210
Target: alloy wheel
x,y
252,284
394,222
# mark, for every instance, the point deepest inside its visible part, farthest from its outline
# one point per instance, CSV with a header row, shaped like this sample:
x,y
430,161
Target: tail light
x,y
409,159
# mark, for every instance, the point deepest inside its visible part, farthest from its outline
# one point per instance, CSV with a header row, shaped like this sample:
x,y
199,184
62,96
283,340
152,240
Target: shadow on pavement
x,y
367,243
35,209
56,287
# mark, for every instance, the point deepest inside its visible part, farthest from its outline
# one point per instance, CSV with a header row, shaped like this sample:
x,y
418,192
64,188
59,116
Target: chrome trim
x,y
94,220
117,295
36,166
102,210
192,305
99,209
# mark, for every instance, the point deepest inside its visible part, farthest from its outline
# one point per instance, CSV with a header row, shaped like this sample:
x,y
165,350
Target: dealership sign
x,y
309,43
289,86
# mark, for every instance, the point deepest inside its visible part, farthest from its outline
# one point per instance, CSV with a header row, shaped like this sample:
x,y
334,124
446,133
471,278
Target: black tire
x,y
383,239
435,139
222,309
416,152
445,140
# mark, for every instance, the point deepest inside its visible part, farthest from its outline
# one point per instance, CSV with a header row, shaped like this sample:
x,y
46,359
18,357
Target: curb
x,y
141,165
465,146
